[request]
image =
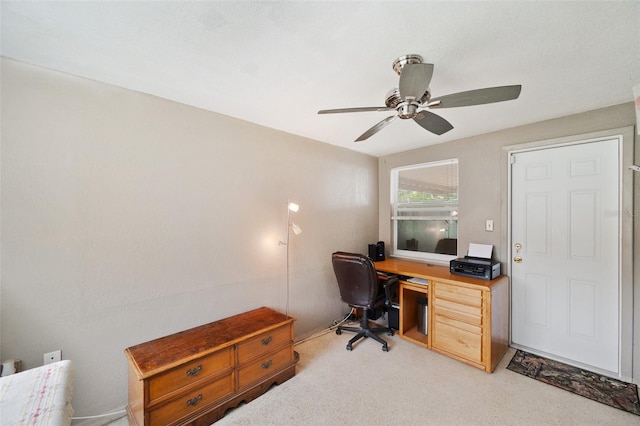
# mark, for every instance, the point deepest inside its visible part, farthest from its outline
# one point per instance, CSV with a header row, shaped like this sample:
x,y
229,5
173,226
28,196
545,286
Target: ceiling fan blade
x,y
432,122
477,97
358,109
375,129
414,80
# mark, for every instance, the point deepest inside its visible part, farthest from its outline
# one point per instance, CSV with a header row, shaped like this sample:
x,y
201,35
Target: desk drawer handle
x,y
266,341
194,401
267,364
194,371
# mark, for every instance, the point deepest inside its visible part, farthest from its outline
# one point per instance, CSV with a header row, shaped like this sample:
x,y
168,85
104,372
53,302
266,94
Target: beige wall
x,y
483,191
127,217
482,171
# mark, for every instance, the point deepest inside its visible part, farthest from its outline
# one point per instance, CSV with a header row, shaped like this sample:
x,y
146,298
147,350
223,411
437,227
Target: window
x,y
424,198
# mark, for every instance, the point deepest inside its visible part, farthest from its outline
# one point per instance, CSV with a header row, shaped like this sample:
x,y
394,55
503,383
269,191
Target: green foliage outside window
x,y
407,196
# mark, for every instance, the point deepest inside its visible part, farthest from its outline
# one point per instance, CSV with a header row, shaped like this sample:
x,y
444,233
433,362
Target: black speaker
x,y
376,251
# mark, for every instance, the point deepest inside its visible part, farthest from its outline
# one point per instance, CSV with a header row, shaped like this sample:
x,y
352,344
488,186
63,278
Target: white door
x,y
565,255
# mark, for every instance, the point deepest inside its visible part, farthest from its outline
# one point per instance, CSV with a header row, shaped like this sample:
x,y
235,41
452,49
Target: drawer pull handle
x,y
267,364
194,401
194,371
266,341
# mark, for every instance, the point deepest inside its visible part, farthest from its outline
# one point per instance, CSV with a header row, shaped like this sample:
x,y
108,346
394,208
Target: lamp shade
x,y
296,229
293,207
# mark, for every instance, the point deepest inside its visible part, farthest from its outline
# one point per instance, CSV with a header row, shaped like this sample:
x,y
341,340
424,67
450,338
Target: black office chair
x,y
360,287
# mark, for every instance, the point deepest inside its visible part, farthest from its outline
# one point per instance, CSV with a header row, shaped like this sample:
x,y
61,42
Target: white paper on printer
x,y
483,251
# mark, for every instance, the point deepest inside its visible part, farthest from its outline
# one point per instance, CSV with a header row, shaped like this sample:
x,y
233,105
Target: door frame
x,y
625,158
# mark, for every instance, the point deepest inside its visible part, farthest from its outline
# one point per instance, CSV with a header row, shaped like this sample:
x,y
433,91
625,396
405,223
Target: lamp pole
x,y
291,207
286,309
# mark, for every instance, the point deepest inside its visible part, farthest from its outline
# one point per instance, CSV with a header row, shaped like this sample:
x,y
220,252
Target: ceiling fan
x,y
412,98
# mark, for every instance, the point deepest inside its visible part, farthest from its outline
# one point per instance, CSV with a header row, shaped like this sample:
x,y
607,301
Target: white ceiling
x,y
277,63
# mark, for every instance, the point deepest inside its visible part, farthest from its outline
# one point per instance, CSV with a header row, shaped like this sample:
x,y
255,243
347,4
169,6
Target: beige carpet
x,y
410,385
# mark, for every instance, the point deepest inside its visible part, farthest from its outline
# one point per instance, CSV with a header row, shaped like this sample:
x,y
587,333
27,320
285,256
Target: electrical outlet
x,y
51,357
488,225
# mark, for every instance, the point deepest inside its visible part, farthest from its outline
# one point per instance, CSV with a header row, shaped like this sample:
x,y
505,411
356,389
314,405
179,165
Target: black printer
x,y
475,267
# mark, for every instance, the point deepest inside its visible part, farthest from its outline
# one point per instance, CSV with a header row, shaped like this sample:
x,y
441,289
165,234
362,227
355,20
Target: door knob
x,y
517,259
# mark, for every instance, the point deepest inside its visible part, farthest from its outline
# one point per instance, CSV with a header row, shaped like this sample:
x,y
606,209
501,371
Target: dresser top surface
x,y
158,355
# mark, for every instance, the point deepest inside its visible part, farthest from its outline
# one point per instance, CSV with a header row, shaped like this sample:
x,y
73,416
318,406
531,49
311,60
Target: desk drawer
x,y
190,372
462,295
264,343
265,366
471,328
192,401
457,341
469,314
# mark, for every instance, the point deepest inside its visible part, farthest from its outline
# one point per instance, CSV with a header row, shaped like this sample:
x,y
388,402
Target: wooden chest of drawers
x,y
194,376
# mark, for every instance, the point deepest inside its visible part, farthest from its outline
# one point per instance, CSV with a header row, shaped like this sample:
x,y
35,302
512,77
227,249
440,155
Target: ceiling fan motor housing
x,y
393,99
399,63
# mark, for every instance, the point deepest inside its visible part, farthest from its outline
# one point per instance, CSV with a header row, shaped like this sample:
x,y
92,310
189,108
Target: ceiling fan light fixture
x,y
408,110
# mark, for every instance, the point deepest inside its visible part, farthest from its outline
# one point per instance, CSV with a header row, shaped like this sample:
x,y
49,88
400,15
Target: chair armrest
x,y
390,289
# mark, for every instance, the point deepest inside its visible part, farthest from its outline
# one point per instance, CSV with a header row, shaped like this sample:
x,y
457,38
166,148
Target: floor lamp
x,y
291,207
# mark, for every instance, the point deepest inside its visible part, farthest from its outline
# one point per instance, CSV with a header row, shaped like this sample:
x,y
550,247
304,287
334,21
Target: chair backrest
x,y
447,246
357,278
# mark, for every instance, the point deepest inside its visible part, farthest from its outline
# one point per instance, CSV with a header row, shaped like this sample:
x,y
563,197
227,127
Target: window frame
x,y
436,258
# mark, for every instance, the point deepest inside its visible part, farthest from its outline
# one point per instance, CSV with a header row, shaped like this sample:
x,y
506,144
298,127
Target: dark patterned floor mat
x,y
606,390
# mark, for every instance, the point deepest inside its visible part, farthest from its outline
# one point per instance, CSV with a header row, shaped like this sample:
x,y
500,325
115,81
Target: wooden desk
x,y
468,318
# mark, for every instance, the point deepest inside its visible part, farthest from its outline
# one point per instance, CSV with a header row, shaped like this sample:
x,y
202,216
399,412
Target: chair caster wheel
x,y
390,333
349,347
338,331
385,348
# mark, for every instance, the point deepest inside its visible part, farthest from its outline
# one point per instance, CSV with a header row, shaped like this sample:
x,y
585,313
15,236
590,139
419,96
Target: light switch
x,y
488,225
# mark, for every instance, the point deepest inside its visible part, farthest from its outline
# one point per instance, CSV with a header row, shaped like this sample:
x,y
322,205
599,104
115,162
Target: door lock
x,y
517,259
